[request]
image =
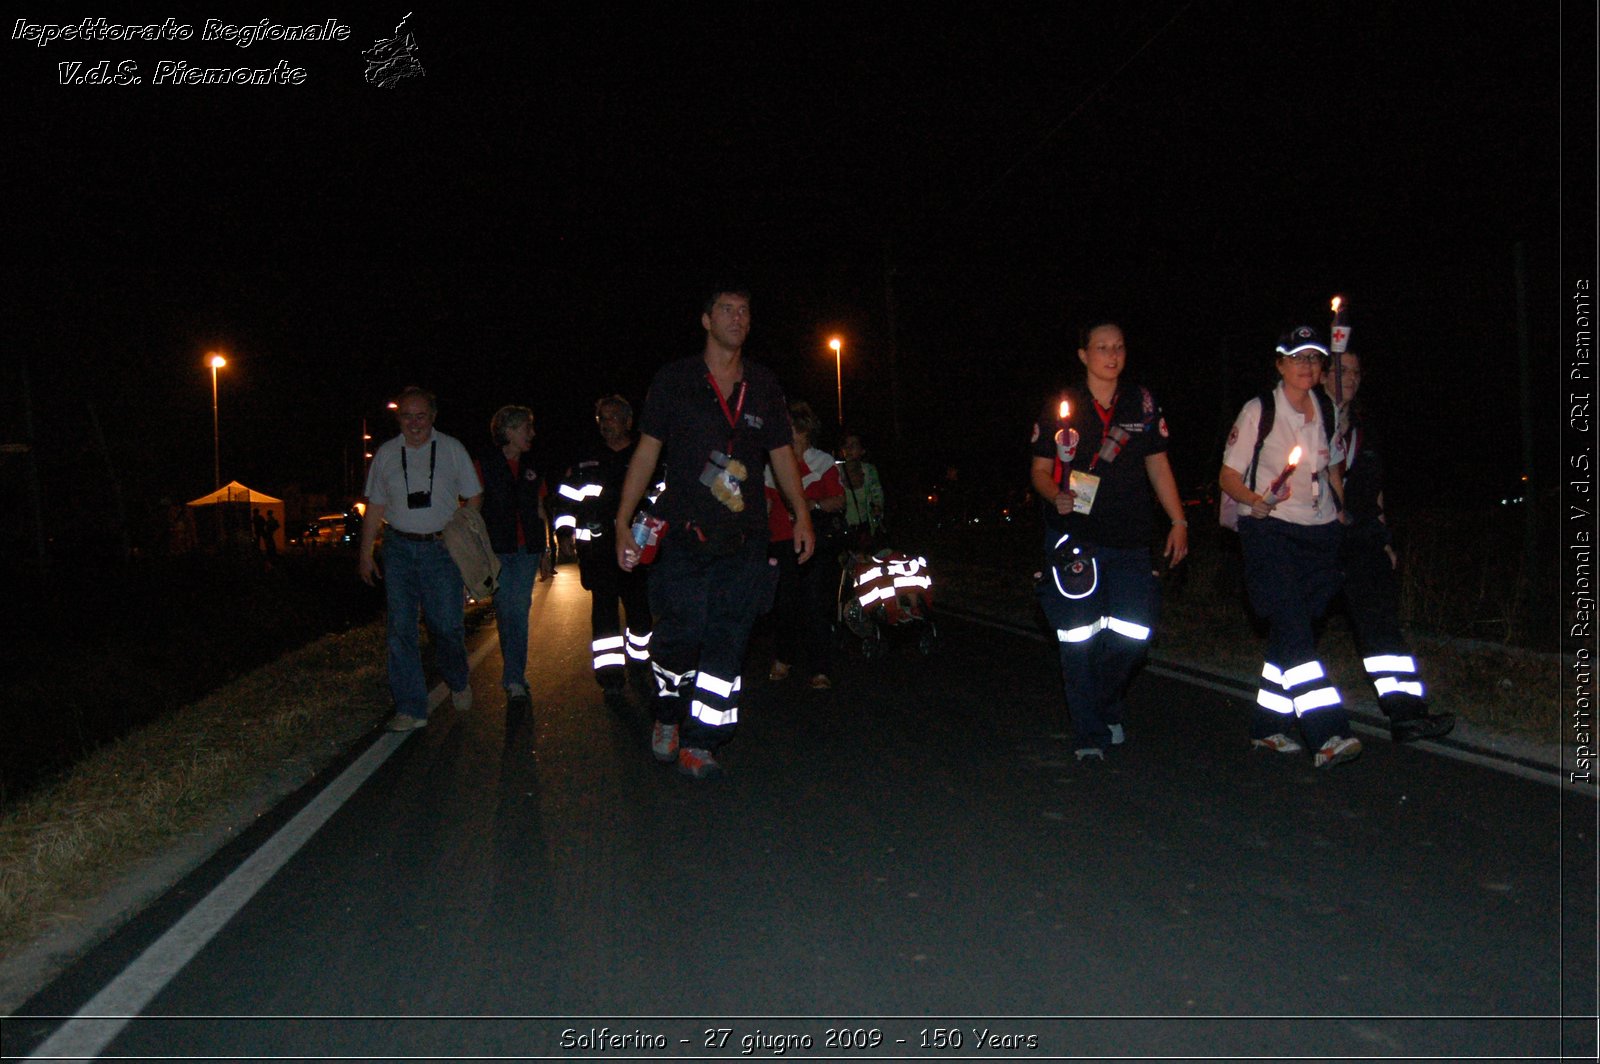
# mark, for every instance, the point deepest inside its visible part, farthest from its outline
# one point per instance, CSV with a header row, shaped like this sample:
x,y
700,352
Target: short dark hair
x,y
1093,324
717,290
506,419
803,419
414,392
617,401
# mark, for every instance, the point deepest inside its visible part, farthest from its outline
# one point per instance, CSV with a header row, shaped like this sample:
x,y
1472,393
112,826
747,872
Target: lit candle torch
x,y
1288,471
1066,439
1339,334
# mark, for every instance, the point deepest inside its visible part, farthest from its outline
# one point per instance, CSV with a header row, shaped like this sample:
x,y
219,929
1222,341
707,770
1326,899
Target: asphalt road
x,y
910,865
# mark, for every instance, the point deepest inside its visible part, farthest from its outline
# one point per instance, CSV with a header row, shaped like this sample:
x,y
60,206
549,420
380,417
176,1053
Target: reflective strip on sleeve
x,y
583,535
566,521
1127,628
1390,663
912,581
1272,674
1388,685
581,492
869,576
1275,702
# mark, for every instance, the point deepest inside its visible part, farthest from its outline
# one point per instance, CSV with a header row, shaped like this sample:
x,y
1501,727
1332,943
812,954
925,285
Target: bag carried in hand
x,y
466,537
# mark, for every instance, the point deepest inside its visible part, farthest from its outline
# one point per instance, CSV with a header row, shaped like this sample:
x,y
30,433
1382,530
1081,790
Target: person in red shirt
x,y
804,606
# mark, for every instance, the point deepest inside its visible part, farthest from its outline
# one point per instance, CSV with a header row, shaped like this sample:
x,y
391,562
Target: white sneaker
x,y
405,722
461,699
1338,749
1279,743
664,742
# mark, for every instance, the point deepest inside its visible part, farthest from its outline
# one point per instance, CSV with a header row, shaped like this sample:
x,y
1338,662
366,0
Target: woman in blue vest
x,y
1286,483
513,510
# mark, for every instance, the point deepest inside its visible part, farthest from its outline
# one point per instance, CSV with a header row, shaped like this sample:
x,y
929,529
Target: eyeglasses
x,y
1303,356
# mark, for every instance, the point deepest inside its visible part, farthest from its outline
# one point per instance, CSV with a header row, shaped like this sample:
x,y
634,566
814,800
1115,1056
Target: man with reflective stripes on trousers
x,y
586,505
717,420
1098,454
1289,529
1371,593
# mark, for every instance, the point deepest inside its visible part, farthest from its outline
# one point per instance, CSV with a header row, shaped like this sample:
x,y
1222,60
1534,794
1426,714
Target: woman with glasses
x,y
1281,466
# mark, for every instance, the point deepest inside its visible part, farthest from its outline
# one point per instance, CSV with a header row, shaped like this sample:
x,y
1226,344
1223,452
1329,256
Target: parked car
x,y
332,529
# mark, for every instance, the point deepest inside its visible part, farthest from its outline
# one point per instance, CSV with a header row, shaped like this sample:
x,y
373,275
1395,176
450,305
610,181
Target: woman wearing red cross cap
x,y
1099,462
1281,466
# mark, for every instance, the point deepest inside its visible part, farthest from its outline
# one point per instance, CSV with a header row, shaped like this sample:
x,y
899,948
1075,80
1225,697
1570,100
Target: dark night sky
x,y
533,220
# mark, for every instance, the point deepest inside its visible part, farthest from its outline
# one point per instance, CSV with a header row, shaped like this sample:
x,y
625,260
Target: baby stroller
x,y
883,593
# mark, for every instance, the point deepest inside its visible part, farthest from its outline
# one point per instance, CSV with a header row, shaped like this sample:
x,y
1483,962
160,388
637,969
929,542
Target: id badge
x,y
1083,486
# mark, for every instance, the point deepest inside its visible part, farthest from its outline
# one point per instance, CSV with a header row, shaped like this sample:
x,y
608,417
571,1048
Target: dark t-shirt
x,y
1363,479
682,410
1123,506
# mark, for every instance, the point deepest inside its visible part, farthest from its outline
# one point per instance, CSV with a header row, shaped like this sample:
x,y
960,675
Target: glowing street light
x,y
838,373
216,362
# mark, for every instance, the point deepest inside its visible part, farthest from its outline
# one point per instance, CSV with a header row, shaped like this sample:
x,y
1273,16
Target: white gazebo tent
x,y
234,494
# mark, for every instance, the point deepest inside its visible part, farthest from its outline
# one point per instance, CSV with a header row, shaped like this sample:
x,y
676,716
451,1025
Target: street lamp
x,y
216,362
838,374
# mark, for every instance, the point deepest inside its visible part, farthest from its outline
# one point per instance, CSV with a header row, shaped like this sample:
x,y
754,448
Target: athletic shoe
x,y
461,699
698,763
1427,726
1084,753
405,722
1338,749
778,673
1117,738
820,682
1280,743
664,742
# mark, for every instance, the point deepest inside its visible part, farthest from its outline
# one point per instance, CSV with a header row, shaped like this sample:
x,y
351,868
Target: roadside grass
x,y
73,837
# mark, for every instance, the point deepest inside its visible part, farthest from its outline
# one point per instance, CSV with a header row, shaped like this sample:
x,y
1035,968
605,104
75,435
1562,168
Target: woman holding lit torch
x,y
1099,464
1282,470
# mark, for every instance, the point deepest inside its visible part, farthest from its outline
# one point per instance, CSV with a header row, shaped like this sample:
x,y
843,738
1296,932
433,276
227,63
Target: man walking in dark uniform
x,y
717,420
586,504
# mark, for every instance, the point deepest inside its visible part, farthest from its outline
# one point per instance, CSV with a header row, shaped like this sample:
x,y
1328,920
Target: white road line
x,y
93,1027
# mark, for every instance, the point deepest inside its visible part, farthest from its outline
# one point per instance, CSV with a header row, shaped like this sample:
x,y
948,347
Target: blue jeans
x,y
511,605
420,577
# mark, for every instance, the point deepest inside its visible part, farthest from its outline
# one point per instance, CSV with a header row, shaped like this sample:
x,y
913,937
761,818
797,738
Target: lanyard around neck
x,y
731,415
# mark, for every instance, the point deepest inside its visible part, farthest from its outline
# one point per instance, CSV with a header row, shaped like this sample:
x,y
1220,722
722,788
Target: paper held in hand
x,y
1083,485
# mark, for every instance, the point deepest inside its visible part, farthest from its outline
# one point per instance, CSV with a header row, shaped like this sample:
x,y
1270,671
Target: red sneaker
x,y
697,763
